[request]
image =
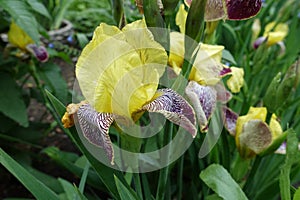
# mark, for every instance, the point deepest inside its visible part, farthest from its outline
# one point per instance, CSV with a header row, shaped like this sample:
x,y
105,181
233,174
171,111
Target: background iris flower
x,y
253,134
18,38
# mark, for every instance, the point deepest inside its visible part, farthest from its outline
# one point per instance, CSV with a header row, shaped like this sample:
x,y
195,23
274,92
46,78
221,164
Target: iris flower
x,y
204,88
253,134
118,73
18,38
273,34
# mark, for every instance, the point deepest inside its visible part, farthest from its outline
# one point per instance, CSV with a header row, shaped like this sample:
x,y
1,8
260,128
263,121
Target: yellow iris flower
x,y
275,33
207,65
118,73
253,135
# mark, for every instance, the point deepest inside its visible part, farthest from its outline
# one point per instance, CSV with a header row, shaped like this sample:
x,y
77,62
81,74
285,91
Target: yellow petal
x,y
207,65
276,33
176,56
181,18
275,127
256,28
275,37
18,37
118,72
236,81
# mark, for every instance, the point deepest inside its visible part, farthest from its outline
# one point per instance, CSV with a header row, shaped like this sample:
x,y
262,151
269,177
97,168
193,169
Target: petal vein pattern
x,y
95,127
175,108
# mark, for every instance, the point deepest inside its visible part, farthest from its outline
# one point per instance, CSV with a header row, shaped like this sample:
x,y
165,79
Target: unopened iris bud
x,y
270,100
287,84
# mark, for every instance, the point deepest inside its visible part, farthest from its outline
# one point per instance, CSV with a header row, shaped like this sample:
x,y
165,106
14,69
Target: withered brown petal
x,y
256,135
242,9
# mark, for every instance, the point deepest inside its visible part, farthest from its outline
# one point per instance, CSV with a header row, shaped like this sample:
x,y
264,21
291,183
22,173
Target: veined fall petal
x,y
95,128
175,108
230,118
204,100
94,125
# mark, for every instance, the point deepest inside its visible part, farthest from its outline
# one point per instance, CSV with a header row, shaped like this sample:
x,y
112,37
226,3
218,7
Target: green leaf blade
x,y
123,191
221,182
37,188
11,102
20,12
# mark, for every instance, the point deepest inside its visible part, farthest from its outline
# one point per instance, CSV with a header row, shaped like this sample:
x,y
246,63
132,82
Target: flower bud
x,y
270,99
287,84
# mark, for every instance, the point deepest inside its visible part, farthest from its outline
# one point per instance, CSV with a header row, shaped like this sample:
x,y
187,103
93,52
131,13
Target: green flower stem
x,y
268,118
252,173
225,153
179,177
137,184
164,173
34,74
84,177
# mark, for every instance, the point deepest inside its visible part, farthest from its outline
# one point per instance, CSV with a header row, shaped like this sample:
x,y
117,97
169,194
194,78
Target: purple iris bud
x,y
51,45
225,71
39,52
259,41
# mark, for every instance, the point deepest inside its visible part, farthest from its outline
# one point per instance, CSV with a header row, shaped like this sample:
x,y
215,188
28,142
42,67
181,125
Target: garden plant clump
x,y
167,99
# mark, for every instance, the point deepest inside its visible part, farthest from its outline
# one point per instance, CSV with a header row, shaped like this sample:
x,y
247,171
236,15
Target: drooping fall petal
x,y
230,120
204,100
256,136
175,108
95,128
